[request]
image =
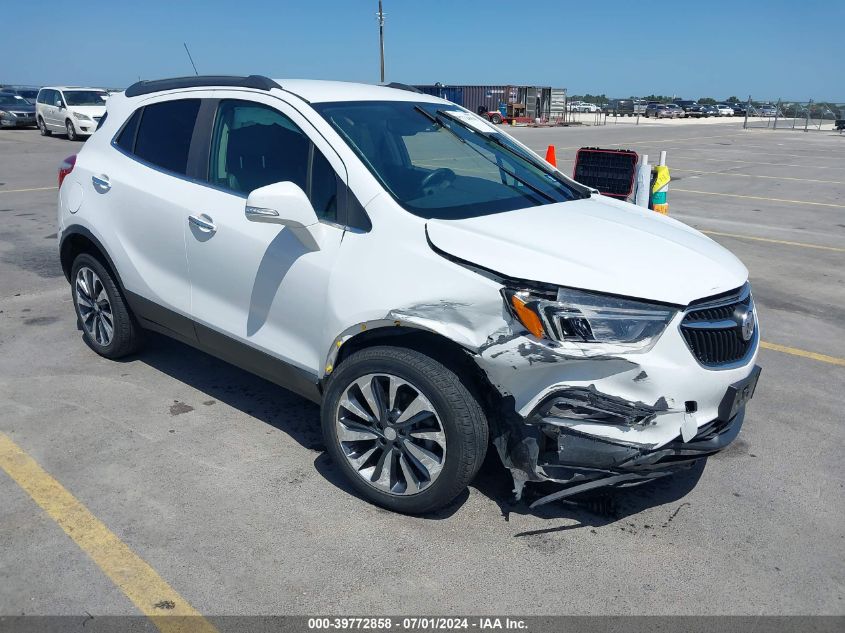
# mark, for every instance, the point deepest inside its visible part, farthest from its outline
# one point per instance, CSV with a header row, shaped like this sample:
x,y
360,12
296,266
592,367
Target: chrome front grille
x,y
717,330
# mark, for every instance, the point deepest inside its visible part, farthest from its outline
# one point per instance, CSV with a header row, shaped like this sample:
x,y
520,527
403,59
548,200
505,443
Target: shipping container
x,y
531,101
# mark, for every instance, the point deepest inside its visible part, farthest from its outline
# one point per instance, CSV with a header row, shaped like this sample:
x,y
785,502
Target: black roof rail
x,y
398,86
157,85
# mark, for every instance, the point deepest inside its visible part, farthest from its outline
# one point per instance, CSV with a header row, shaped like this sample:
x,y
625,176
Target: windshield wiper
x,y
493,137
437,121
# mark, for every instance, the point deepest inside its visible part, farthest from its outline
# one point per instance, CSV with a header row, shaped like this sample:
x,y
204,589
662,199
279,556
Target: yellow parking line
x,y
736,195
766,239
31,189
833,360
720,173
142,585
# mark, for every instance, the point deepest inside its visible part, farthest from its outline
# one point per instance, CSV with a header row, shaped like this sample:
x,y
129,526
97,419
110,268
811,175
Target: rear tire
x,y
108,326
42,127
427,431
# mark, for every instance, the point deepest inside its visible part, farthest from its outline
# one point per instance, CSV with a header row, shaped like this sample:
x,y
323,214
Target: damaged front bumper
x,y
610,419
547,447
584,462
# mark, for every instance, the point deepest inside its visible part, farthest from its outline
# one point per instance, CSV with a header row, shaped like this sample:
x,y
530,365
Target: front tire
x,y
71,131
42,127
407,434
108,326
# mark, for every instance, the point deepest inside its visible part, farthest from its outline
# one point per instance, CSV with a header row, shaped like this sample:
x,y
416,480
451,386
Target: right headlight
x,y
587,317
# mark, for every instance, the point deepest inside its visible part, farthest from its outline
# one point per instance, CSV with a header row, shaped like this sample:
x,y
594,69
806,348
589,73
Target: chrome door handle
x,y
101,182
203,222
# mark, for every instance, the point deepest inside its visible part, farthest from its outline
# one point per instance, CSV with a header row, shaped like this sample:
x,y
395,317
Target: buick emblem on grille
x,y
745,320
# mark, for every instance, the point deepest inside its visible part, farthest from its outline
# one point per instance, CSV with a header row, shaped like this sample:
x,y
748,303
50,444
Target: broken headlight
x,y
588,317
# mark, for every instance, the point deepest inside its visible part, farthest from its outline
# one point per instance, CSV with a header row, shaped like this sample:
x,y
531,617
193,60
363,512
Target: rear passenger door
x,y
253,282
150,192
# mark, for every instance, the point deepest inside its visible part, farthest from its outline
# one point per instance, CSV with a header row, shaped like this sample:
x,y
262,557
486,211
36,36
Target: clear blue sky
x,y
687,48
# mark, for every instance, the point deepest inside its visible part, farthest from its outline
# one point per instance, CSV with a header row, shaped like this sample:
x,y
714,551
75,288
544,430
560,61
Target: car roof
x,y
71,88
310,90
322,91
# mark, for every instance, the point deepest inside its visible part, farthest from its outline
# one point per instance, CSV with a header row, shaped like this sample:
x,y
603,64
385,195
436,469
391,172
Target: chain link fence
x,y
796,115
809,116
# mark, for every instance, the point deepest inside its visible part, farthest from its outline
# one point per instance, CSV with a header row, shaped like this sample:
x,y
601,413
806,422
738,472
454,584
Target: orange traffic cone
x,y
550,156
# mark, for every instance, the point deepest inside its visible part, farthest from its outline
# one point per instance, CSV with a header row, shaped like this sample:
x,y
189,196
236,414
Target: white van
x,y
70,110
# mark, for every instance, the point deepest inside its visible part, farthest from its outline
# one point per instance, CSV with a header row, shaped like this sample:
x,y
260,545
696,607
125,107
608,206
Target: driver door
x,y
254,283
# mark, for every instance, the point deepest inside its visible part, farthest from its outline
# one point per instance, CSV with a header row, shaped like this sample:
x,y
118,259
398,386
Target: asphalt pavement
x,y
218,479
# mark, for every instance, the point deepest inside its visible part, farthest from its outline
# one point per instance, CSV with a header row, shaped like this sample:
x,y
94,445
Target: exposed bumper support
x,y
585,463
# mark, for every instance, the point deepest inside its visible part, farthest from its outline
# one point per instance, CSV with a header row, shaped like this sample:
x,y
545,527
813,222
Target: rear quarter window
x,y
126,137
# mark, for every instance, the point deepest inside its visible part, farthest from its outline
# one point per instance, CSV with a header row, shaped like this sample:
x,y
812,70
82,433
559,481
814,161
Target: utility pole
x,y
380,16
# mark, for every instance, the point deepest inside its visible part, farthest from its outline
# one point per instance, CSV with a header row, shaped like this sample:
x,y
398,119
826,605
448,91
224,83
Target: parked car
x,y
738,108
626,107
22,91
767,110
73,111
425,308
583,106
15,111
676,110
697,111
686,106
724,109
658,111
709,110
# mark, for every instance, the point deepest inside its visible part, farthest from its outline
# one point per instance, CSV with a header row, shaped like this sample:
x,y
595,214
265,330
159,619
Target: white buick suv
x,y
428,280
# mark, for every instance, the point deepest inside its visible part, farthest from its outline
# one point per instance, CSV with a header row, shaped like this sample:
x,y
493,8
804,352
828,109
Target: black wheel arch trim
x,y
77,229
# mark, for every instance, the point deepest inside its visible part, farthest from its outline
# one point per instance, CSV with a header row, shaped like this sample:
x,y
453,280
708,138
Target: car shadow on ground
x,y
235,387
596,508
300,419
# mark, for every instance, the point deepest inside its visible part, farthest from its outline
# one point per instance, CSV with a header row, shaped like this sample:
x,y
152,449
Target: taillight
x,y
66,167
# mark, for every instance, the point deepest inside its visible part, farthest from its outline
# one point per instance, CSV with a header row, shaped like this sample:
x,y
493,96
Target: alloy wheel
x,y
390,434
94,308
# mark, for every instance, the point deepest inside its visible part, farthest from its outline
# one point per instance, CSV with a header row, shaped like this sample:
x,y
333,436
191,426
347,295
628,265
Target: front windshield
x,y
12,100
438,163
85,97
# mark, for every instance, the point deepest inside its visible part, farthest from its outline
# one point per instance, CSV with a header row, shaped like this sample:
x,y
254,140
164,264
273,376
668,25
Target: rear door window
x,y
164,134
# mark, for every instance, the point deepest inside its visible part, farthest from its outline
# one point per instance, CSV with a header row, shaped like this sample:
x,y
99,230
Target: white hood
x,y
89,110
595,244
